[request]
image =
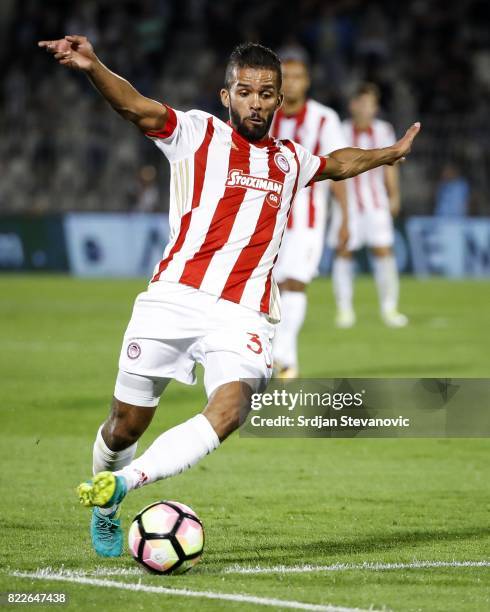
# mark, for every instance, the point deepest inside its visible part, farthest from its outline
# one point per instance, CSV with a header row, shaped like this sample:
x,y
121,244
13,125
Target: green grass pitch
x,y
264,503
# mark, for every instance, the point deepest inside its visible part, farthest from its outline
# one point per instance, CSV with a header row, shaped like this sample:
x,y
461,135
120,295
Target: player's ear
x,y
280,100
225,97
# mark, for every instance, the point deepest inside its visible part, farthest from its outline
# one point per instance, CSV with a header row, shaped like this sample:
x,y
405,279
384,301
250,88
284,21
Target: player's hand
x,y
394,209
402,147
343,236
73,51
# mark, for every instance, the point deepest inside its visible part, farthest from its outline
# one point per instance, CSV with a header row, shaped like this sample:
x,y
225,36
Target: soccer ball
x,y
166,537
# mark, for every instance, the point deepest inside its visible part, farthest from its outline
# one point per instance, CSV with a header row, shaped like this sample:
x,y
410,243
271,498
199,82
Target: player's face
x,y
364,108
295,81
252,100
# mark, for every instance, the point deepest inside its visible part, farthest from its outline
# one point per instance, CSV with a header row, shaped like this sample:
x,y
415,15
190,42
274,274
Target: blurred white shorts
x,y
174,327
300,254
370,228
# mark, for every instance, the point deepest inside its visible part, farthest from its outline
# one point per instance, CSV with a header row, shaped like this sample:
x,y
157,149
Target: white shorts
x,y
371,228
173,327
300,254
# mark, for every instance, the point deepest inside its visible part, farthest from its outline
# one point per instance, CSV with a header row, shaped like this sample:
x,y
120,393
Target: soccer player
x,y
318,129
212,299
374,199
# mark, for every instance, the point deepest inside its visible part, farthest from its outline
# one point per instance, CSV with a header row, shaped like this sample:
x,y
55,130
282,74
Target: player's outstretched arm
x,y
77,53
349,162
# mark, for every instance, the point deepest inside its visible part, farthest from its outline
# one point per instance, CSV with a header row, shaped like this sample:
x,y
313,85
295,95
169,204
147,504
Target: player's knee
x,y
292,284
382,251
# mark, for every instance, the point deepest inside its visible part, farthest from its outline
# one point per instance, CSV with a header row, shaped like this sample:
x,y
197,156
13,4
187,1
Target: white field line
x,y
97,571
345,567
46,574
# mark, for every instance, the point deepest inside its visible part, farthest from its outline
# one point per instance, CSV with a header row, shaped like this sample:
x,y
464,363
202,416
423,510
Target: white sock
x,y
293,311
386,278
106,459
171,453
343,281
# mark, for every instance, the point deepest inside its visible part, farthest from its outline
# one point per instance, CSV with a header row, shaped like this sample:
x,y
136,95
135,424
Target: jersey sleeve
x,y
332,137
309,165
182,134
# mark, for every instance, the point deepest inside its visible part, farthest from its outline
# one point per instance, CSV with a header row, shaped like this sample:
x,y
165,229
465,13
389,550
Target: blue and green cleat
x,y
106,533
104,490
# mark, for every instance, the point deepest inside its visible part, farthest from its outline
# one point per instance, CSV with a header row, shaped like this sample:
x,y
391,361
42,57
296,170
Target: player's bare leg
x,y
115,445
285,345
114,448
387,284
175,450
183,446
343,286
117,438
225,406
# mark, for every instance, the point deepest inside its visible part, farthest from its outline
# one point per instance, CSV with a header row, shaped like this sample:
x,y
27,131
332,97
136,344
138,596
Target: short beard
x,y
251,134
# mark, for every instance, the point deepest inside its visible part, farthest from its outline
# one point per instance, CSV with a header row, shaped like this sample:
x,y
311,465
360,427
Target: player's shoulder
x,y
195,113
291,148
347,124
321,109
198,116
200,121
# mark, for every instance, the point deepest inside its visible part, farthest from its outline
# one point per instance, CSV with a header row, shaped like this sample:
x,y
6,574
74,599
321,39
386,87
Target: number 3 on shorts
x,y
254,344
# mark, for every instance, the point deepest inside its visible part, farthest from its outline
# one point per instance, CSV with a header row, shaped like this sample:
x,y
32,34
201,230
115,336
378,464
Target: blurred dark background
x,y
63,149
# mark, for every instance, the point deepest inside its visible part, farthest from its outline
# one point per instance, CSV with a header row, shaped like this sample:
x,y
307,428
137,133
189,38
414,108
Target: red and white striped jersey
x,y
368,191
229,203
317,128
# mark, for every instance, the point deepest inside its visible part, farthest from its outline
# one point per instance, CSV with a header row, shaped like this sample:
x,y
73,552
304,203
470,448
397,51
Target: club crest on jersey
x,y
134,350
236,178
281,162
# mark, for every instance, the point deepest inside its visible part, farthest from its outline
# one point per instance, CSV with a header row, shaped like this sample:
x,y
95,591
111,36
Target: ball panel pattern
x,y
190,536
159,555
134,539
159,519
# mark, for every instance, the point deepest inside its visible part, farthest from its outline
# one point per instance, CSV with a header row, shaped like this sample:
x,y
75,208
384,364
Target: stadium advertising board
x,y
455,248
115,244
121,244
32,243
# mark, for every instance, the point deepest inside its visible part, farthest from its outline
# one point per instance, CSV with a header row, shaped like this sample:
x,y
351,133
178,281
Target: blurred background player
x,y
147,195
318,128
374,199
453,193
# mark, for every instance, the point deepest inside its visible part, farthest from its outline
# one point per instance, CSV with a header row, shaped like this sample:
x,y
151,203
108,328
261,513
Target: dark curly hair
x,y
252,55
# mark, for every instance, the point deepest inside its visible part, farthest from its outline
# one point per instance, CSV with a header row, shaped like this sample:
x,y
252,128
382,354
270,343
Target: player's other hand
x,y
394,208
343,236
402,147
73,51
